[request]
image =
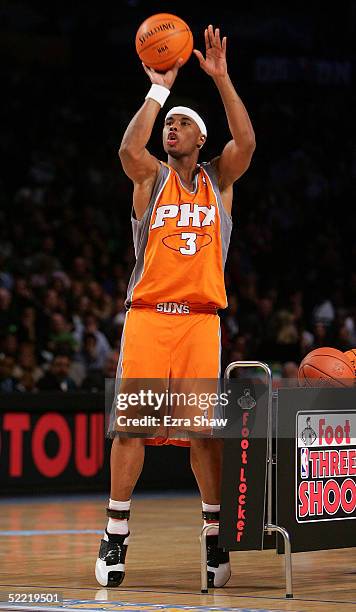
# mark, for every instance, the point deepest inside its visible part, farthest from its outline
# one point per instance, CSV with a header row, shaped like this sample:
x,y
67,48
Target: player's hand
x,y
214,64
167,78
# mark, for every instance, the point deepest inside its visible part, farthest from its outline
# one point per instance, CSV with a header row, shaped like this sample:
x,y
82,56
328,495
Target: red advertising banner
x,y
52,437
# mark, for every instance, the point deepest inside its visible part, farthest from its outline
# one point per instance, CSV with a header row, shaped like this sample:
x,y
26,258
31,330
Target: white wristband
x,y
158,93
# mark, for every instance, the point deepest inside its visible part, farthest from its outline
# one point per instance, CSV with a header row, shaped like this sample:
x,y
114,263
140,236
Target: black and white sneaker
x,y
218,563
110,564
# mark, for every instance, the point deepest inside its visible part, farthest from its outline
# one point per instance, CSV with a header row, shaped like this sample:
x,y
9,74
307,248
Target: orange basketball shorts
x,y
157,345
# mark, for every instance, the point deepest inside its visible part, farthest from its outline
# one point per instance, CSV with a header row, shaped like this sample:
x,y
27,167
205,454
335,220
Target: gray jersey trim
x,y
140,231
119,371
225,219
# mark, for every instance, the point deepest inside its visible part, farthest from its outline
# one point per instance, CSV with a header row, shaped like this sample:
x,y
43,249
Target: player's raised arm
x,y
236,155
137,162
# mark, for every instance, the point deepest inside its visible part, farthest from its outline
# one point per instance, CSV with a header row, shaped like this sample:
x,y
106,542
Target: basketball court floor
x,y
49,546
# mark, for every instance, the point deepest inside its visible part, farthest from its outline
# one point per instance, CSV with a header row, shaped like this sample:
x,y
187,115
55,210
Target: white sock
x,y
118,526
211,508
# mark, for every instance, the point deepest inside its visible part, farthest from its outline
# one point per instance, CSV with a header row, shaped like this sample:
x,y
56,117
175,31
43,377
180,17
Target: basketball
x,y
162,39
351,354
326,366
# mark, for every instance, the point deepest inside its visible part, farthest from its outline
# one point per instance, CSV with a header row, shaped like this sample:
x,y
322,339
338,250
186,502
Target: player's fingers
x,y
211,35
224,42
217,37
199,55
178,64
147,69
207,41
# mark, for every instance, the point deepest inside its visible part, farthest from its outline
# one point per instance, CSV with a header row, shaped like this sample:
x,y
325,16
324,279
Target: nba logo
x,y
304,462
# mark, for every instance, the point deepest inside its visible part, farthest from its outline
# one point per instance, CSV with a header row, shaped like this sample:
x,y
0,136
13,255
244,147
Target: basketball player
x,y
181,226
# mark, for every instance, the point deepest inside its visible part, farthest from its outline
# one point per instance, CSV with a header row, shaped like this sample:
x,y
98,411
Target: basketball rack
x,y
269,527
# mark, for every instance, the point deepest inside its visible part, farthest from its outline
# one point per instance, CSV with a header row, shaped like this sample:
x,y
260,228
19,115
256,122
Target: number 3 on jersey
x,y
191,247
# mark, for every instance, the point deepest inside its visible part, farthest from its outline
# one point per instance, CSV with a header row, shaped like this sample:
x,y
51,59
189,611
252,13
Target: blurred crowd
x,y
66,250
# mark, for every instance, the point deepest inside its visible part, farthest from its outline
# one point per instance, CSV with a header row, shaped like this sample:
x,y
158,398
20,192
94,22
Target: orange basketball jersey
x,y
181,245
